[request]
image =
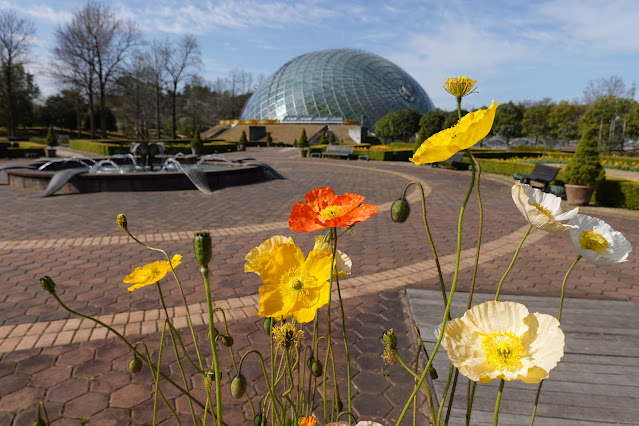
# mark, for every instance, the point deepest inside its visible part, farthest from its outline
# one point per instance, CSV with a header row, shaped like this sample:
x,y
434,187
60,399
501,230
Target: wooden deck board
x,y
596,382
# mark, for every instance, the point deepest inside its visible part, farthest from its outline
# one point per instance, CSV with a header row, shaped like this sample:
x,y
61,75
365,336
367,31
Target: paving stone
x,y
21,399
130,396
67,390
13,382
86,405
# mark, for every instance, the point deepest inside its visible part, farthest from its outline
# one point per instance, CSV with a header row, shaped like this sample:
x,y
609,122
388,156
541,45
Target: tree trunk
x,y
10,110
157,110
103,115
174,112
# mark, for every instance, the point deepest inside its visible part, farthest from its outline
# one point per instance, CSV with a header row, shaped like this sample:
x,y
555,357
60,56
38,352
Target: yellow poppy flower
x,y
460,86
595,240
294,285
343,263
151,273
542,210
256,257
501,340
472,128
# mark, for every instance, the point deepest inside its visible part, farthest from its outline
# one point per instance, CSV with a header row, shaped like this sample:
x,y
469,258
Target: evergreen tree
x,y
303,142
585,167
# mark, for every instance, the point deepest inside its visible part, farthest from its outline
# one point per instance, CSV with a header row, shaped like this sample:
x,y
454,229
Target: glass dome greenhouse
x,y
347,83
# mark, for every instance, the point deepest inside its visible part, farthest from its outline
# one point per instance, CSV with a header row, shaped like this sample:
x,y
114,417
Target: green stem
x,y
157,376
512,262
126,342
412,373
335,273
561,307
448,305
212,336
175,349
179,284
469,403
499,393
430,238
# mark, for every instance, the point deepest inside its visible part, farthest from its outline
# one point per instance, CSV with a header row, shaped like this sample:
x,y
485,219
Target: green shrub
x,y
243,139
51,140
101,148
618,193
303,141
269,139
585,167
196,141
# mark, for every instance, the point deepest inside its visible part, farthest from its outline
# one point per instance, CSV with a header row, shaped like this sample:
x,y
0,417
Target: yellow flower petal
x,y
151,273
257,256
472,127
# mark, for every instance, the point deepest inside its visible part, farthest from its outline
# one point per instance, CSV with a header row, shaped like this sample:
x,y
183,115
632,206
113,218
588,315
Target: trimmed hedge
x,y
122,147
385,155
618,193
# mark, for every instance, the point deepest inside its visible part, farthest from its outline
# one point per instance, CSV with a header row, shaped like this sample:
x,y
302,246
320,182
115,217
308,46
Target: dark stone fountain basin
x,y
217,177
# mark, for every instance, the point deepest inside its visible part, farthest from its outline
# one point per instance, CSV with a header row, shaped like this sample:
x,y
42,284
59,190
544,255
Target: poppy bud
x,y
316,368
203,248
238,386
400,210
39,422
390,339
47,284
268,325
309,361
122,222
227,340
135,364
257,420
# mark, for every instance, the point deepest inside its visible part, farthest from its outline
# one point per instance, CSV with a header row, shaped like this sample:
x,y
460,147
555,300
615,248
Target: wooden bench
x,y
456,161
338,151
541,173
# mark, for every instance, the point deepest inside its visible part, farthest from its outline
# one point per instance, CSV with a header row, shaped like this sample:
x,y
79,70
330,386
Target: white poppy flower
x,y
502,340
542,210
595,240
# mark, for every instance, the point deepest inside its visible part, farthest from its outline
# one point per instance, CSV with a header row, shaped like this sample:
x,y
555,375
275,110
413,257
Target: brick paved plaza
x,y
81,373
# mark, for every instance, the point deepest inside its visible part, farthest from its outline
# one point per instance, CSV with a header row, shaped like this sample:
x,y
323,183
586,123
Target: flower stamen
x,y
591,240
543,209
503,349
331,212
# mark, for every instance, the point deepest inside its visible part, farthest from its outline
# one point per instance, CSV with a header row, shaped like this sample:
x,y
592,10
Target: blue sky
x,y
517,50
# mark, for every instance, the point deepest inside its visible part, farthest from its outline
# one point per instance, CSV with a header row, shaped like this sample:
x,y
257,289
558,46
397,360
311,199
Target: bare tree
x,y
94,45
611,87
156,71
179,60
15,35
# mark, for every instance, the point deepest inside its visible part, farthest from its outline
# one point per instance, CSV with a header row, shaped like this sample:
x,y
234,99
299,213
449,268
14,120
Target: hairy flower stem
x,y
512,262
179,284
499,393
561,307
175,350
471,292
412,373
430,237
156,379
135,351
443,400
335,273
215,363
269,385
448,305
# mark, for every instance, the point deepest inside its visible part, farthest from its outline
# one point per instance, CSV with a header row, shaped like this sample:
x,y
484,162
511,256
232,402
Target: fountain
x,y
123,172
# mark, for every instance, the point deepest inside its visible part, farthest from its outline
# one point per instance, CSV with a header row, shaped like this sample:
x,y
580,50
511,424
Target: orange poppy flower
x,y
323,209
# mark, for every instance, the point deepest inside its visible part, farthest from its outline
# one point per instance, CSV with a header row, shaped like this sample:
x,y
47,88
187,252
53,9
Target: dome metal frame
x,y
354,84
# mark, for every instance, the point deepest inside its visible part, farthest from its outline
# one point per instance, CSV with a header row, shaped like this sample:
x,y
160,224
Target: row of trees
x,y
608,105
106,69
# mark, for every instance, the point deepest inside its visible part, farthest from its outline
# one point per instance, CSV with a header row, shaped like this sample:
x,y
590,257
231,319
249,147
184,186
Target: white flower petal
x,y
618,246
523,195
